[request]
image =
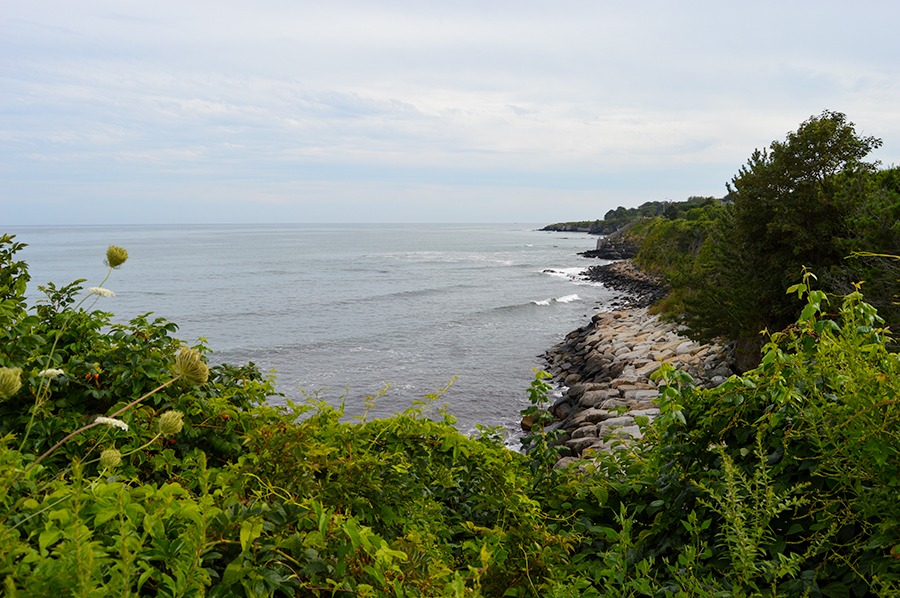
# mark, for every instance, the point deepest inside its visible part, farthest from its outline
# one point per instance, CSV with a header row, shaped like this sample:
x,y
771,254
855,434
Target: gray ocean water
x,y
345,310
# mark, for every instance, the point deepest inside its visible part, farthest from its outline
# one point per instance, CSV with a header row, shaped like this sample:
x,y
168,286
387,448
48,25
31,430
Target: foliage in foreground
x,y
782,482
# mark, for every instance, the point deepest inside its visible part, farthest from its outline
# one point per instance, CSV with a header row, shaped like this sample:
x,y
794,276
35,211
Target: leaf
x,y
352,533
48,537
836,590
235,571
321,516
600,493
251,529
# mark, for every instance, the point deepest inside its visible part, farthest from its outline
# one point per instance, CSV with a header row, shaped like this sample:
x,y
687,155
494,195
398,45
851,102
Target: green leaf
x,y
352,533
600,493
836,590
234,572
251,529
48,537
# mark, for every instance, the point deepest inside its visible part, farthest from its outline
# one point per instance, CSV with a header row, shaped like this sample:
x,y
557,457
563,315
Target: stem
x,y
136,401
140,448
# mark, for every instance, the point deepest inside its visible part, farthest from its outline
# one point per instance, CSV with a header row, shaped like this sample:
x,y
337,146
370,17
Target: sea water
x,y
343,312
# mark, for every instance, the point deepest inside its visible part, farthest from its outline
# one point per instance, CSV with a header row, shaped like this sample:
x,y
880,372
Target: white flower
x,y
101,291
51,373
109,421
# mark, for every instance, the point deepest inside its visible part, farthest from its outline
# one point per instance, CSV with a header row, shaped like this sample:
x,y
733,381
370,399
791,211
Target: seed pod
x,y
170,423
10,382
115,256
190,366
110,458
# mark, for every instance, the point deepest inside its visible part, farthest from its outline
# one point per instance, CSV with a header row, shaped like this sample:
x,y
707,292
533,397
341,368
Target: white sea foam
x,y
563,299
570,273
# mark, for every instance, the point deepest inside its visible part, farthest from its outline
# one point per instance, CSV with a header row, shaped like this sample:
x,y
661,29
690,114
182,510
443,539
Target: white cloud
x,y
623,102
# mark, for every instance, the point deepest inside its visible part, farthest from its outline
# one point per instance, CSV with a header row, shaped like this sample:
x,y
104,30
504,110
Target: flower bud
x,y
115,256
110,458
170,423
10,382
190,366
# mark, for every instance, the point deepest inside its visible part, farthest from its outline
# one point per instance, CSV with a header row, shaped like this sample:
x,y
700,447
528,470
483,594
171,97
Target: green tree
x,y
792,205
872,242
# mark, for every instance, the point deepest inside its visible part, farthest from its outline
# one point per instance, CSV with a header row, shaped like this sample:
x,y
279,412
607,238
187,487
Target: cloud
x,y
491,95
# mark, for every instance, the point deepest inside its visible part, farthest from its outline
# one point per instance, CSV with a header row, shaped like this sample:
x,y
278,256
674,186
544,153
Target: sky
x,y
276,111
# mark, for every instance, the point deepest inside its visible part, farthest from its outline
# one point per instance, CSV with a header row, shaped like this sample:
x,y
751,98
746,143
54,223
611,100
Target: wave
x,y
563,299
570,273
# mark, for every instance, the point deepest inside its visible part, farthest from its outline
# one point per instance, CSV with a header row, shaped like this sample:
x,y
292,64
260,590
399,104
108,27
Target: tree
x,y
872,242
790,209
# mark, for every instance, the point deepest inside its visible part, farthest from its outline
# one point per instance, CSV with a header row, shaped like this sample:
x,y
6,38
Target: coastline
x,y
602,370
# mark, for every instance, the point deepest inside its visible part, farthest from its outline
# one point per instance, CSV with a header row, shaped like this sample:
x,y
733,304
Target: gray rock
x,y
625,432
564,462
616,369
685,347
589,430
641,395
644,413
579,444
648,369
616,422
614,402
592,397
590,415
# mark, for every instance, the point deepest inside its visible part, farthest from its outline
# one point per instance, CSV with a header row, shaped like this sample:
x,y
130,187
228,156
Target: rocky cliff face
x,y
597,227
618,245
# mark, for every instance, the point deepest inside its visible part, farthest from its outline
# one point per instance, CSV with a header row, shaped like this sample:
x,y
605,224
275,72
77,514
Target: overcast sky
x,y
117,112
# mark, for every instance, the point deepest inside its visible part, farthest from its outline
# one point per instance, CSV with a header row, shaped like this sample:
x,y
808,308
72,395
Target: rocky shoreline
x,y
641,289
603,369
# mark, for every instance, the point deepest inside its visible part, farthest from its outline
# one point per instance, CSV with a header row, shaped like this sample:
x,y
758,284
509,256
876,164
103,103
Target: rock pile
x,y
641,289
604,369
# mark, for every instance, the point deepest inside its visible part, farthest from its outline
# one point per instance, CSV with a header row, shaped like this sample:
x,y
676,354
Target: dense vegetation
x,y
694,208
810,201
128,467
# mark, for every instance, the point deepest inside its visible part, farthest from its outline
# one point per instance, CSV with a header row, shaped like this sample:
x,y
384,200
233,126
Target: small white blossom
x,y
51,373
101,291
109,421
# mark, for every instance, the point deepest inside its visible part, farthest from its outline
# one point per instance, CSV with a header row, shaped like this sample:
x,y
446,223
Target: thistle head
x,y
10,382
115,256
190,366
171,423
110,458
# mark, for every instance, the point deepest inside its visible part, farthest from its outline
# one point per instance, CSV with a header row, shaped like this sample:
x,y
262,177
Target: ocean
x,y
342,312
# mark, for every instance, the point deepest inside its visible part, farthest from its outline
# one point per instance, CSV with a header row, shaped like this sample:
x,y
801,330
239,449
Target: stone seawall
x,y
605,368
